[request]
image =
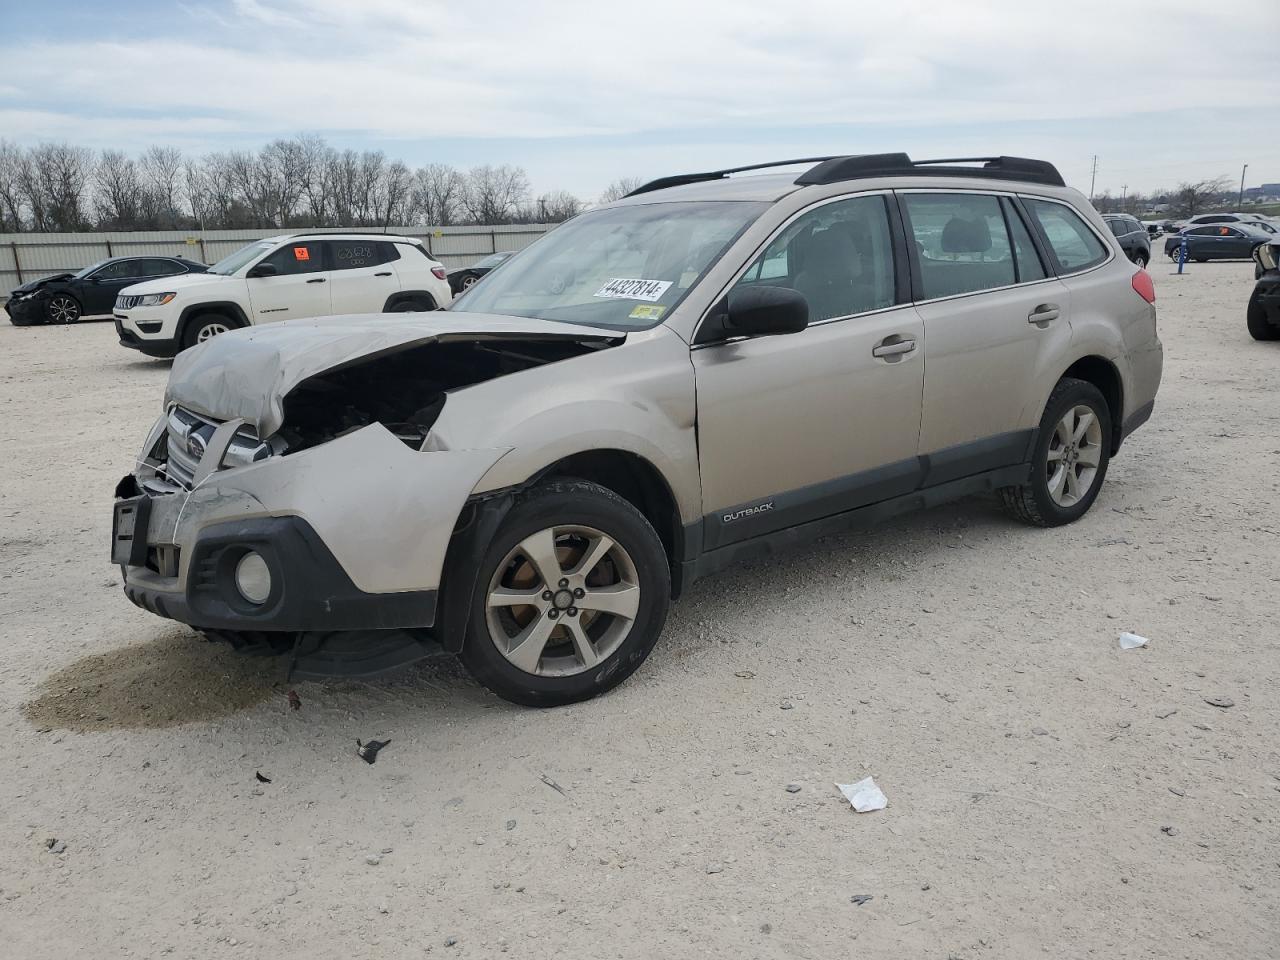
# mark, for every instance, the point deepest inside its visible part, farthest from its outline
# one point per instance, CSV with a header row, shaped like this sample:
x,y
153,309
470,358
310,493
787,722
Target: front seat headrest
x,y
966,236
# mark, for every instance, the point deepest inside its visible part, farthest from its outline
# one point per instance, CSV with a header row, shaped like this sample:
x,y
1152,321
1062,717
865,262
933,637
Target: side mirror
x,y
263,270
763,311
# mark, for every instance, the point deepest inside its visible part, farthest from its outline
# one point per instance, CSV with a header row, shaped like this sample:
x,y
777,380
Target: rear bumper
x,y
152,348
309,588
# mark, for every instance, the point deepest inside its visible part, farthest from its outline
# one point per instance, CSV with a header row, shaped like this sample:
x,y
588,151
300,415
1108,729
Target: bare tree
x,y
438,194
1191,198
54,178
391,195
558,206
619,189
118,193
495,194
11,203
161,170
316,158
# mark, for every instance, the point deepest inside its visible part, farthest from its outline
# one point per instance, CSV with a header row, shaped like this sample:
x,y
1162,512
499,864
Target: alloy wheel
x,y
63,310
209,331
562,601
1075,451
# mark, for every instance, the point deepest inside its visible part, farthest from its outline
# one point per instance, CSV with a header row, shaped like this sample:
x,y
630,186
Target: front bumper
x,y
163,348
309,588
26,311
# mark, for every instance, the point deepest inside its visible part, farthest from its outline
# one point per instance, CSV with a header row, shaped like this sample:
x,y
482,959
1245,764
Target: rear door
x,y
362,275
993,316
300,287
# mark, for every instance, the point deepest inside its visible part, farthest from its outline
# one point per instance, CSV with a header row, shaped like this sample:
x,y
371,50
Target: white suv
x,y
281,278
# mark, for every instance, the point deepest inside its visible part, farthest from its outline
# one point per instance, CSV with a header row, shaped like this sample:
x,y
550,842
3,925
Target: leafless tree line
x,y
1185,200
296,182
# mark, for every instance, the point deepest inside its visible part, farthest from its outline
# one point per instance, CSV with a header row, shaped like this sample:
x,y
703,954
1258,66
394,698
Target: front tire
x,y
205,327
571,596
62,308
1072,451
1260,328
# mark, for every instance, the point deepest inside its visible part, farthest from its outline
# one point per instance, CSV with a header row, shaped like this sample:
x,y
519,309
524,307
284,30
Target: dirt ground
x,y
1050,795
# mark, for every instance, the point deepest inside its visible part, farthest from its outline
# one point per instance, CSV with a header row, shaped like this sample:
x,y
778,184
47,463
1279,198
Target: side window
x,y
1024,251
389,251
156,267
297,256
839,255
1073,244
1203,232
120,270
1117,227
354,254
961,242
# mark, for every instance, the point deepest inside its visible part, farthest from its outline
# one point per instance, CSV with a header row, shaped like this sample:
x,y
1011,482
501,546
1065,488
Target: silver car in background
x,y
711,369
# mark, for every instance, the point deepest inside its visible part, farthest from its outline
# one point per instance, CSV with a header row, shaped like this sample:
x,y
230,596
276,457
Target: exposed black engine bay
x,y
405,390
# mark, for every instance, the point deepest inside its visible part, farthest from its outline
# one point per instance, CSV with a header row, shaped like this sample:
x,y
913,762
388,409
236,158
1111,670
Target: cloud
x,y
391,70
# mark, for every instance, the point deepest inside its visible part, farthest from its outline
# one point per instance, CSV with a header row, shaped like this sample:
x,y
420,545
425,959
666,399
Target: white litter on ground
x,y
1131,641
864,795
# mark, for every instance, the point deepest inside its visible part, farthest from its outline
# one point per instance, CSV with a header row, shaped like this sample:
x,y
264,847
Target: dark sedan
x,y
1220,241
1133,237
463,278
90,293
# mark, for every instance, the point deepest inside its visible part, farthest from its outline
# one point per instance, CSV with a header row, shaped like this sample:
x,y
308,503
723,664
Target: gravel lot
x,y
1050,795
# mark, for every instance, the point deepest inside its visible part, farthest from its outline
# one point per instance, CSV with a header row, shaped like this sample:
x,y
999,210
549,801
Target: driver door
x,y
300,287
796,427
98,296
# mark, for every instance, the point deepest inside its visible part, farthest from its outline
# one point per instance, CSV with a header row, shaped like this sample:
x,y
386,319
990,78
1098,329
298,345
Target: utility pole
x,y
1124,191
1240,201
1093,179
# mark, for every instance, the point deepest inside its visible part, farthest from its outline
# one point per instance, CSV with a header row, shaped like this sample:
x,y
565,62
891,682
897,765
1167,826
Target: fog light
x,y
253,578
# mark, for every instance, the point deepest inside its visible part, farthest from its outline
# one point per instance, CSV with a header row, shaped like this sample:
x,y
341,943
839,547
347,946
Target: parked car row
x,y
708,370
162,305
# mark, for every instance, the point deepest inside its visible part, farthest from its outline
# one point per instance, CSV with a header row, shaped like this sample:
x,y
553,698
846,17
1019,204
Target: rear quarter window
x,y
1071,241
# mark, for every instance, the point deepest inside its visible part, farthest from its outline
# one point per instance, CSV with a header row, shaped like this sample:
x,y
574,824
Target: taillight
x,y
1144,286
439,273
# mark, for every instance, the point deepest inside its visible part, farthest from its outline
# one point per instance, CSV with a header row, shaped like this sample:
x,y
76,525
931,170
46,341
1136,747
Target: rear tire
x,y
1069,463
1260,328
412,305
205,327
1140,261
598,586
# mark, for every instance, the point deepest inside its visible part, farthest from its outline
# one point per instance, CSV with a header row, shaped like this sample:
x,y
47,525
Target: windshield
x,y
622,267
230,264
89,269
492,260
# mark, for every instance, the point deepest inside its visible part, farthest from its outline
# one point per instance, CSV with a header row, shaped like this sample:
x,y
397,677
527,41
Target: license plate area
x,y
129,531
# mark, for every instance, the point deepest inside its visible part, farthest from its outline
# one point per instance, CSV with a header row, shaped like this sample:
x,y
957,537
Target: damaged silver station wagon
x,y
705,371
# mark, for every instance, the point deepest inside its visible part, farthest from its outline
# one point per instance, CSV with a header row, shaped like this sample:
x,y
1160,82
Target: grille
x,y
187,437
128,303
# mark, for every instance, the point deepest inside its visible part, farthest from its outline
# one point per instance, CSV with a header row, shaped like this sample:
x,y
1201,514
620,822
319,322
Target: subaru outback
x,y
710,369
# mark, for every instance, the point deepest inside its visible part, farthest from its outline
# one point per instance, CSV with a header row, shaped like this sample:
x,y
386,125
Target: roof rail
x,y
861,166
899,165
680,179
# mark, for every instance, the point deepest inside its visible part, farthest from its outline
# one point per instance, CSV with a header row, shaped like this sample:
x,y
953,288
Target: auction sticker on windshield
x,y
624,289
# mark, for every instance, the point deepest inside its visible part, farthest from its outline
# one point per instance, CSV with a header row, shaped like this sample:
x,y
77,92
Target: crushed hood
x,y
37,284
247,373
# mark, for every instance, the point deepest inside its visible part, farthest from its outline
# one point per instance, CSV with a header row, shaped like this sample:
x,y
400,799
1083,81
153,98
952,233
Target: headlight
x,y
155,299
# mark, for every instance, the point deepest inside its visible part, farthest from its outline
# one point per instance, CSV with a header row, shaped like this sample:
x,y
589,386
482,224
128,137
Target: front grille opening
x,y
163,559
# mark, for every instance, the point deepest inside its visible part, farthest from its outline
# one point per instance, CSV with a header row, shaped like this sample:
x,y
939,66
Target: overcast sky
x,y
581,93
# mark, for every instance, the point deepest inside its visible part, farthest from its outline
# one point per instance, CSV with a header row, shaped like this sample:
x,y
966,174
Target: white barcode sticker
x,y
619,288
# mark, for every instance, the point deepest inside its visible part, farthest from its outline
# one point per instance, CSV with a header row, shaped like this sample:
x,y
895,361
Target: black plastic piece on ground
x,y
358,653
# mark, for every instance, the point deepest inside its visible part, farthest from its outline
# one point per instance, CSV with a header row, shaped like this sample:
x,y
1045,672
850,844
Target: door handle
x,y
316,280
893,346
1044,313
384,273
